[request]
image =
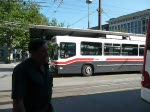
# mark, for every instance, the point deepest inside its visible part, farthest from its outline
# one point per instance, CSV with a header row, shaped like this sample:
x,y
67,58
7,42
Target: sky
x,y
74,13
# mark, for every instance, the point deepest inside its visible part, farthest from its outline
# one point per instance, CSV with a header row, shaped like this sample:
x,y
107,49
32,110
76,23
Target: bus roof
x,y
103,40
47,32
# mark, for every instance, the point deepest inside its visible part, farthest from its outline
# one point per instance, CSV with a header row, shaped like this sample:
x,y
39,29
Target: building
x,y
105,27
132,23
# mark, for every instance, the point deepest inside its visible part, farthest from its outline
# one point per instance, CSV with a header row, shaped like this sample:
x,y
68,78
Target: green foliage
x,y
15,17
55,23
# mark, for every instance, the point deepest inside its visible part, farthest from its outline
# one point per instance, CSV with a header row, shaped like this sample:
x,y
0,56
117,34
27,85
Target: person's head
x,y
38,50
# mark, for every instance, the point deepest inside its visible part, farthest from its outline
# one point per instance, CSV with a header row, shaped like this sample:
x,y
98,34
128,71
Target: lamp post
x,y
88,2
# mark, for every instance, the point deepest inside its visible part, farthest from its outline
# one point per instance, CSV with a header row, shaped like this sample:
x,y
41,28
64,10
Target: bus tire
x,y
87,70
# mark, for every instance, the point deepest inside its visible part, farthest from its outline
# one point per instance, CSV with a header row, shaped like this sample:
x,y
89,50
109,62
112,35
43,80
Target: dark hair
x,y
35,45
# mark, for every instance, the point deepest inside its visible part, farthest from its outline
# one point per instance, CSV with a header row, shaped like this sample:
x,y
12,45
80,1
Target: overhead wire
x,y
49,8
57,4
82,18
106,14
57,8
72,4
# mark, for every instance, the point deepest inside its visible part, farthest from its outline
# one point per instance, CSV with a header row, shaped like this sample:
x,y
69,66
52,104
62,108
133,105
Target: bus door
x,y
145,90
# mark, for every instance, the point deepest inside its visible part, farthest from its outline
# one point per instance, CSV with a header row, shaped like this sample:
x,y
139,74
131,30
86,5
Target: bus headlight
x,y
60,68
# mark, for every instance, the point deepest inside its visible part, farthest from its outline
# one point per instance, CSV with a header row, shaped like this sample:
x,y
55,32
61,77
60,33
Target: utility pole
x,y
88,17
88,2
99,15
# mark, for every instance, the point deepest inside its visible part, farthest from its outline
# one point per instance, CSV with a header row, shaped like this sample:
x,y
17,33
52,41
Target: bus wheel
x,y
87,70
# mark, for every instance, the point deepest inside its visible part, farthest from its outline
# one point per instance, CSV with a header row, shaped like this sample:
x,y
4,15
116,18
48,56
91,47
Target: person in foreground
x,y
32,81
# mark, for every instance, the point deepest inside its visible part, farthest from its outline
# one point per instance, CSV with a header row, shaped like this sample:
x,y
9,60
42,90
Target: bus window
x,y
67,49
141,50
129,49
91,48
108,49
116,49
112,49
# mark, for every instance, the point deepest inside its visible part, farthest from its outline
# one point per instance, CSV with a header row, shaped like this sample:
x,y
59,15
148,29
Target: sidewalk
x,y
5,76
10,65
7,67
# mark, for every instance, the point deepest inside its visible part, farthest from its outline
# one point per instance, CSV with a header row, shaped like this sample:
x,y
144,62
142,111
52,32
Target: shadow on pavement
x,y
122,101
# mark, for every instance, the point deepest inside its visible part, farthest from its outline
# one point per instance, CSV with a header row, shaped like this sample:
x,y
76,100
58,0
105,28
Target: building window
x,y
119,27
132,25
132,30
129,31
135,24
146,21
146,27
136,30
124,26
139,23
143,22
115,27
112,28
143,29
139,30
128,25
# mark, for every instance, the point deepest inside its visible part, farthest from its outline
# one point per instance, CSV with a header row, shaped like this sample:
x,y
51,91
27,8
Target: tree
x,y
15,17
55,23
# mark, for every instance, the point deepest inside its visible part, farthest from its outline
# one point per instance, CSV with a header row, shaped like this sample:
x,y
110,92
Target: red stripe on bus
x,y
124,59
75,60
108,60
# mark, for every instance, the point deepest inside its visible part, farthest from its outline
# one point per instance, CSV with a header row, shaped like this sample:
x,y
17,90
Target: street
x,y
105,92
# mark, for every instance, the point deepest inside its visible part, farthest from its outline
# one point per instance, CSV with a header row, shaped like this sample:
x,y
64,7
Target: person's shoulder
x,y
23,65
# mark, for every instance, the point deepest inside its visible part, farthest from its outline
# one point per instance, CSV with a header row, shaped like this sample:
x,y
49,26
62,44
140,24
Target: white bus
x,y
87,56
145,90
